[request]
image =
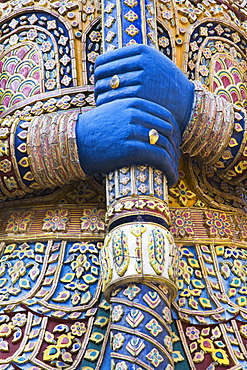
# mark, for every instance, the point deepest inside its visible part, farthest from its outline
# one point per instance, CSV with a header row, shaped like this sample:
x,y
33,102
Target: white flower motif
x,y
13,40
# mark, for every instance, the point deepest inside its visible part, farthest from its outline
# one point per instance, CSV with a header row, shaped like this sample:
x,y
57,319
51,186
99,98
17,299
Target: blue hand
x,y
145,73
116,134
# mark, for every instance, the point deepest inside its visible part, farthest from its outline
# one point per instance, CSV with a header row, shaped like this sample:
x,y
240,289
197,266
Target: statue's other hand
x,y
116,134
145,73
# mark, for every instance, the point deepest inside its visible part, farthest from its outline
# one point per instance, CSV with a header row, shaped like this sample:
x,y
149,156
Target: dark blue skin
x,y
153,94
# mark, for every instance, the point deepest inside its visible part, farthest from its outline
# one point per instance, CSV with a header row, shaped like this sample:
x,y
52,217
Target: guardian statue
x,y
123,166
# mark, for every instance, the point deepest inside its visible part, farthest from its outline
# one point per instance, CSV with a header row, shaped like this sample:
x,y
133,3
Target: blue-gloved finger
x,y
140,133
118,94
163,127
130,95
125,80
121,53
149,114
112,68
157,111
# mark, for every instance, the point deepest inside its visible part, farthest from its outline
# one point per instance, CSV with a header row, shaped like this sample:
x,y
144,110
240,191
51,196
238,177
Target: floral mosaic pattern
x,y
19,221
157,352
218,224
182,192
209,341
56,220
33,56
93,220
155,357
23,271
181,223
61,348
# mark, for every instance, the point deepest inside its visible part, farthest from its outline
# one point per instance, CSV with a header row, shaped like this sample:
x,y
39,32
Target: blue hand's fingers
x,y
141,134
156,111
126,65
119,93
141,106
126,80
131,86
162,81
152,115
117,134
167,134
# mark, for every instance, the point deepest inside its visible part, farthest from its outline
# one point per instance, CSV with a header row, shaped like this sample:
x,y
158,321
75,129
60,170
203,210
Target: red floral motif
x,y
218,224
182,192
181,223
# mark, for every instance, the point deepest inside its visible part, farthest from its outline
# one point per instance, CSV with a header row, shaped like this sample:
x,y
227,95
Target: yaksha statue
x,y
104,262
